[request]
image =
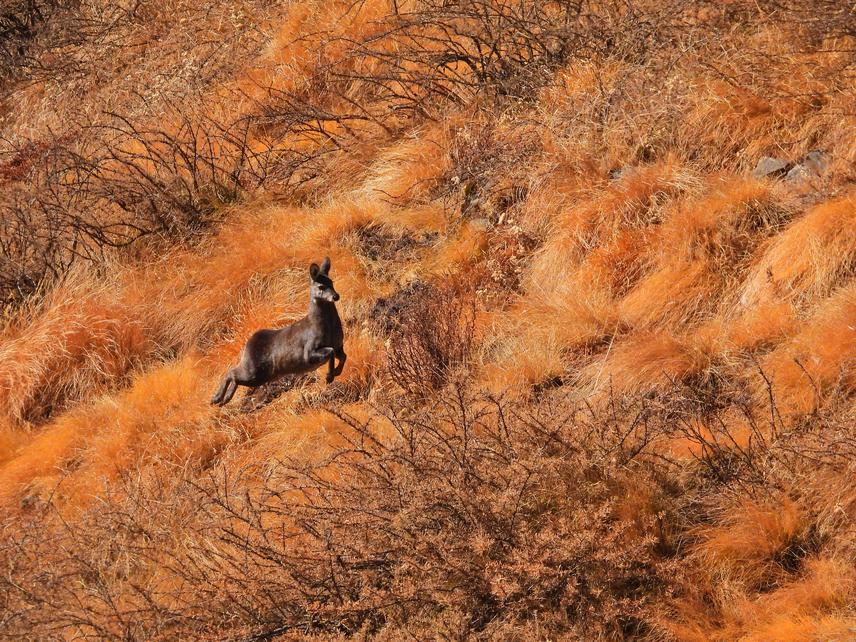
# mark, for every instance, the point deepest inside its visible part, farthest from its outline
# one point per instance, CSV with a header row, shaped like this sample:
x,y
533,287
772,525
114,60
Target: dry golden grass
x,y
820,358
809,259
633,287
744,547
79,340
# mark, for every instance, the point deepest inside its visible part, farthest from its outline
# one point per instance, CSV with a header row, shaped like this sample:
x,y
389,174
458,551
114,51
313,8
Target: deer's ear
x,y
325,266
314,270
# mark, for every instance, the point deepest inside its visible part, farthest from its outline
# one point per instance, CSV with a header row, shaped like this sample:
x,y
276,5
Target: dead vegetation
x,y
471,516
431,336
601,378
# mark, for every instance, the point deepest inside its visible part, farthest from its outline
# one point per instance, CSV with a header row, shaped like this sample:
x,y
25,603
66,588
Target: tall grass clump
x,y
601,378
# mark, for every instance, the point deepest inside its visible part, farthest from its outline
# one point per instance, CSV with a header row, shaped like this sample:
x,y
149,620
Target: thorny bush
x,y
471,510
431,335
67,199
469,514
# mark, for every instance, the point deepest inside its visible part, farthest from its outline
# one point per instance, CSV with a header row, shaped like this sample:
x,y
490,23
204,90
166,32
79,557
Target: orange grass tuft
x,y
809,259
819,359
633,202
616,246
644,362
78,342
745,546
406,171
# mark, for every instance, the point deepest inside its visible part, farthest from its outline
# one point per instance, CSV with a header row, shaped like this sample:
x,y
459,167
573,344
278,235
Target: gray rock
x,y
817,162
617,173
798,174
480,225
769,166
814,164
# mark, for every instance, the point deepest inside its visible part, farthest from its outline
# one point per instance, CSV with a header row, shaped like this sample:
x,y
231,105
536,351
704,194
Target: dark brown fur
x,y
301,347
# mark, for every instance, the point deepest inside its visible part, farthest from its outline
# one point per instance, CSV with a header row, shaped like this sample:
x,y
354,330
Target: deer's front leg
x,y
341,356
319,356
331,366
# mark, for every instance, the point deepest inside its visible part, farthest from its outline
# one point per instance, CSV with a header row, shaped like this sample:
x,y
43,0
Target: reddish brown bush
x,y
470,516
471,511
431,332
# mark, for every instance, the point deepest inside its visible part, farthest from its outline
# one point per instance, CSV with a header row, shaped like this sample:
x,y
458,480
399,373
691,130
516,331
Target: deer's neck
x,y
321,312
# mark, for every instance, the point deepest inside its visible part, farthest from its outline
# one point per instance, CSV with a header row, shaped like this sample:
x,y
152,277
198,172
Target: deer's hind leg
x,y
226,390
231,388
239,375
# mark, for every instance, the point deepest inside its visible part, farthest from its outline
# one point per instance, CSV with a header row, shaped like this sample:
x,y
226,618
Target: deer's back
x,y
259,358
288,348
271,353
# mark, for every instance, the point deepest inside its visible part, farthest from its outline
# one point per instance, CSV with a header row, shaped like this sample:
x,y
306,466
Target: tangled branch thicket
x,y
114,178
69,202
672,453
431,338
106,183
472,516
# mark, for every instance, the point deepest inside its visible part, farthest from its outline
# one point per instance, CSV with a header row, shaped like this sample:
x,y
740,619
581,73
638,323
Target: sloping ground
x,y
600,377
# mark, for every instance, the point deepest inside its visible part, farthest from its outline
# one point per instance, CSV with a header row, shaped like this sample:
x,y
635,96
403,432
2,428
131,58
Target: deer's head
x,y
321,285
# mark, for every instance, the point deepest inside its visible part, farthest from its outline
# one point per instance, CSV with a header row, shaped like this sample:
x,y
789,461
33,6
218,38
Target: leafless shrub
x,y
171,180
470,515
820,19
470,511
89,182
34,238
71,199
486,175
19,22
431,335
454,512
104,555
735,444
413,64
474,46
39,38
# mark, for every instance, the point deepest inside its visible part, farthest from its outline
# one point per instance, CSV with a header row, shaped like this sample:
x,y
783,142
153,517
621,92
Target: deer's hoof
x,y
330,378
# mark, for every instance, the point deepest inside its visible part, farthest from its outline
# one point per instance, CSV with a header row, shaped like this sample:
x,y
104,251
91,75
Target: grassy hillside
x,y
601,367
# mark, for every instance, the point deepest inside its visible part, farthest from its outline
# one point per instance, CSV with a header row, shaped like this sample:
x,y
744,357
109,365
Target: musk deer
x,y
303,346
